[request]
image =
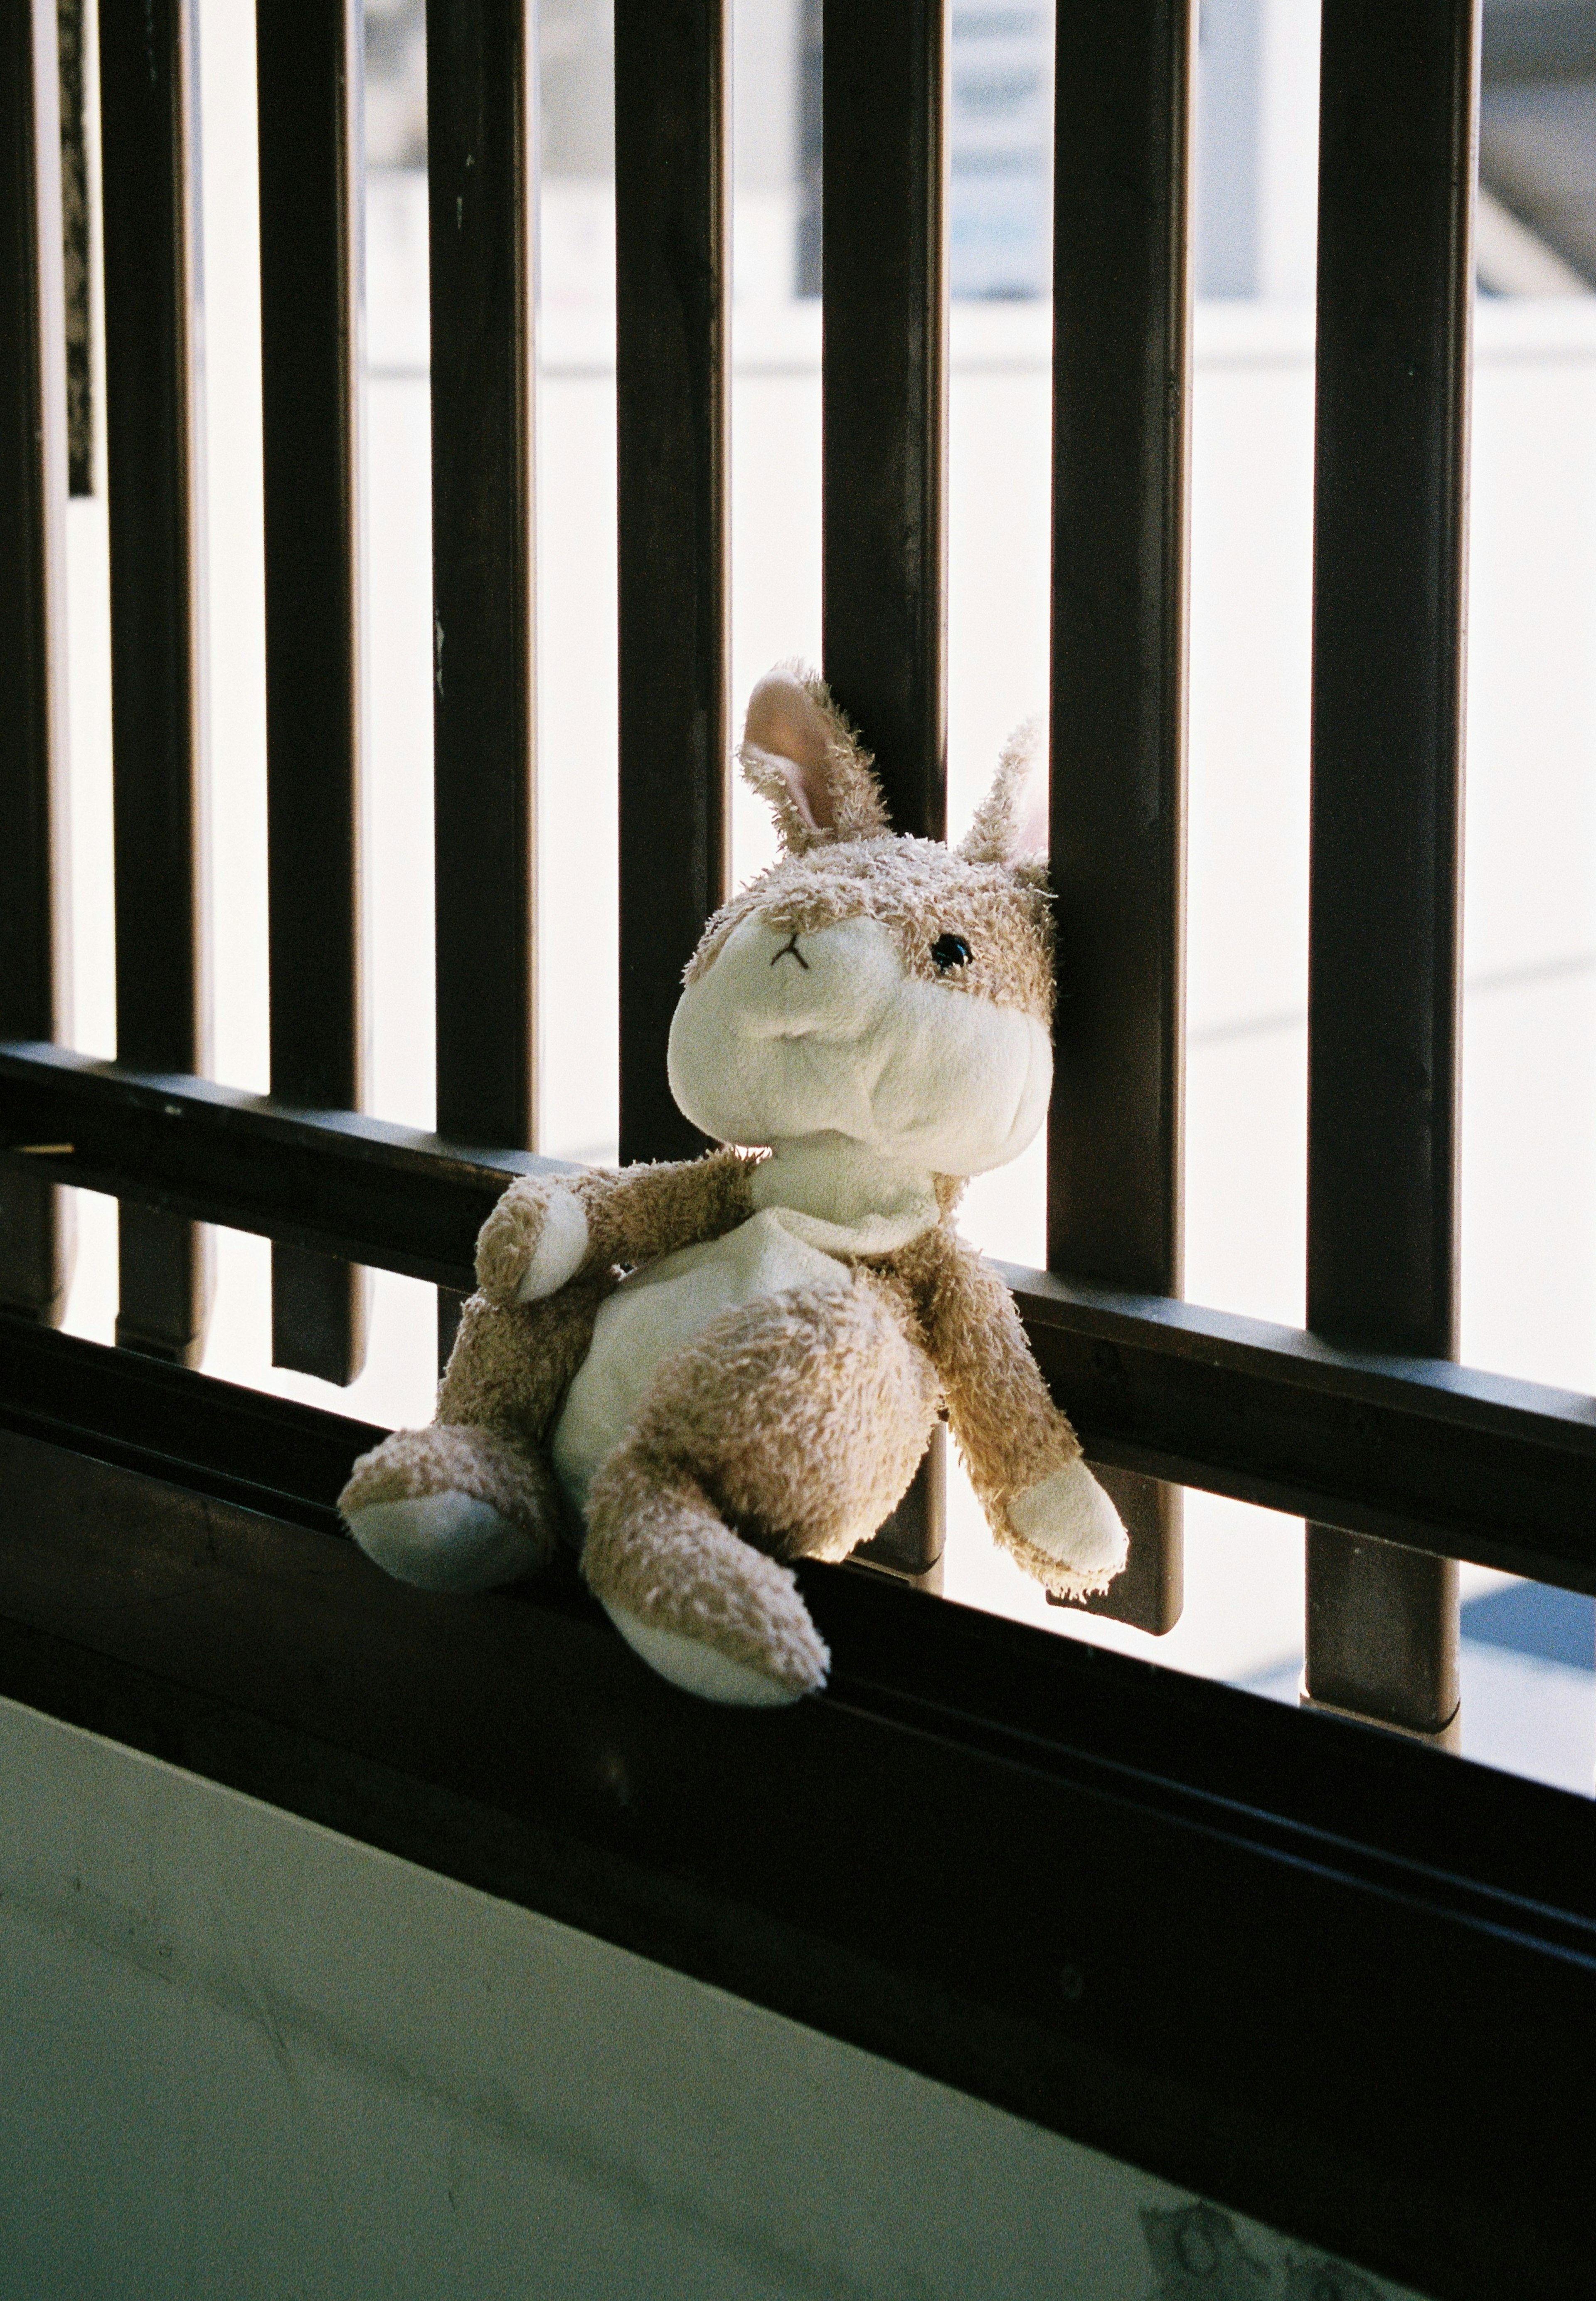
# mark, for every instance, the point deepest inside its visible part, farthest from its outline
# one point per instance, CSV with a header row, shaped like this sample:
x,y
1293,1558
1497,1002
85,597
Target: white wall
x,y
242,2059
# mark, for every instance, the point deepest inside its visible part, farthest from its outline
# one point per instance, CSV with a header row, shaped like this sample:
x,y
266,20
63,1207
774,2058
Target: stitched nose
x,y
789,949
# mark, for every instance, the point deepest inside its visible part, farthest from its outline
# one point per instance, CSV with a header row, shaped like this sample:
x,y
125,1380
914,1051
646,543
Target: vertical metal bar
x,y
672,278
152,391
885,460
481,115
1397,110
35,1239
308,89
1382,1633
72,33
885,388
1120,434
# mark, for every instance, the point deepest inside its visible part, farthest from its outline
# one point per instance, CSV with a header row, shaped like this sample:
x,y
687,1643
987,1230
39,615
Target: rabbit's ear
x,y
799,753
1011,823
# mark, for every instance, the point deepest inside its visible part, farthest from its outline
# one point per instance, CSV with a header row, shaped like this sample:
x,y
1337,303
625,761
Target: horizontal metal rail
x,y
143,1414
1185,1840
335,1181
1446,1458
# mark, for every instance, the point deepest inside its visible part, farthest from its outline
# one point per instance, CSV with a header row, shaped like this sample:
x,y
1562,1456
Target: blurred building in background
x,y
396,90
1538,136
1255,100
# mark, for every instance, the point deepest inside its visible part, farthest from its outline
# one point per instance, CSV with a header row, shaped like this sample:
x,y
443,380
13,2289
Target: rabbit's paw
x,y
1071,1536
535,1239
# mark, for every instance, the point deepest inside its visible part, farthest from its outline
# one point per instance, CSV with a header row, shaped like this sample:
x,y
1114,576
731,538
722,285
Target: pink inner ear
x,y
810,796
784,724
1029,844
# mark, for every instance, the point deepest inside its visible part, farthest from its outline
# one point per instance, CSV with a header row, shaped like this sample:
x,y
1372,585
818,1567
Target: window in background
x,y
999,150
1537,225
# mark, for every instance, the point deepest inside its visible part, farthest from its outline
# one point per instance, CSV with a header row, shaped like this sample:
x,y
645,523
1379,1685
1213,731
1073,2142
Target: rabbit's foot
x,y
445,1542
704,1609
695,1667
453,1507
1070,1536
533,1242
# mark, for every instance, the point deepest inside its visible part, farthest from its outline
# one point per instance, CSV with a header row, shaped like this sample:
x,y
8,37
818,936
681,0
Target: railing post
x,y
1397,110
885,385
308,91
1122,331
672,272
481,129
155,485
885,463
34,1235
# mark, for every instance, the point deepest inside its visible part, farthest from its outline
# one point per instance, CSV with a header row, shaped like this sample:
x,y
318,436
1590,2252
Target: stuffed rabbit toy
x,y
717,1366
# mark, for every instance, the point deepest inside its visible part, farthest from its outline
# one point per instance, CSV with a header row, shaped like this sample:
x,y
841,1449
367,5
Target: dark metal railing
x,y
673,286
35,1248
884,397
155,487
308,90
1398,107
1409,1450
1122,330
884,389
481,123
1400,1462
855,1865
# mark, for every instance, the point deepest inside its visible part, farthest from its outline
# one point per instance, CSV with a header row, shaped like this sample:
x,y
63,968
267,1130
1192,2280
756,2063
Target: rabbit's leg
x,y
702,1607
472,1501
796,1419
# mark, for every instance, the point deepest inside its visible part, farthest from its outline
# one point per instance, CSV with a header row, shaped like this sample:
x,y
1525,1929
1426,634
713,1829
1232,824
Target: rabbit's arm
x,y
1025,1461
546,1230
1009,1432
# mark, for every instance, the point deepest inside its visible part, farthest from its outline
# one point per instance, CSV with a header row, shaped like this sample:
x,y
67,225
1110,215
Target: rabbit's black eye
x,y
950,950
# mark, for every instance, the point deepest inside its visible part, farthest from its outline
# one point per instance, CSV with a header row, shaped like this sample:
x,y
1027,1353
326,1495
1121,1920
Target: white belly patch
x,y
655,1313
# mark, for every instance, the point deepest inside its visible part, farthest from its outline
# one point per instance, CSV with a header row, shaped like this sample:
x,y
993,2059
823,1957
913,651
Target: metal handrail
x,y
1449,1460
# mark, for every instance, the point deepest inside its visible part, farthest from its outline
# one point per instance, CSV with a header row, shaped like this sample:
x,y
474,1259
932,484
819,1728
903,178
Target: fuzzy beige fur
x,y
837,799
918,891
633,1218
790,1426
507,1469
